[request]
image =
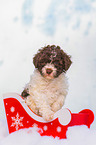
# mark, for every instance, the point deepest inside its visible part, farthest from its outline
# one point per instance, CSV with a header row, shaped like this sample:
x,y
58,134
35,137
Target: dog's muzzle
x,y
49,71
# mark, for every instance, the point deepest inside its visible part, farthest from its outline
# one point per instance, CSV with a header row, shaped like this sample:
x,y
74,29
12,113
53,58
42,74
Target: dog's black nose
x,y
49,71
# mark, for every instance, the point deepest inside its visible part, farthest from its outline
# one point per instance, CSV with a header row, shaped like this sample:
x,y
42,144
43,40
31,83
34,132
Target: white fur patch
x,y
46,95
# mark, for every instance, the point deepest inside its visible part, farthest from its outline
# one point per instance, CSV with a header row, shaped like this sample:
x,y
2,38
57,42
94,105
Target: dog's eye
x,y
42,63
56,62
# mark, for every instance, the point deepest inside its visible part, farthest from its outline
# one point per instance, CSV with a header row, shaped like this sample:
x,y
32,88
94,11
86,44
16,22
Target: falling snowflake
x,y
17,121
53,55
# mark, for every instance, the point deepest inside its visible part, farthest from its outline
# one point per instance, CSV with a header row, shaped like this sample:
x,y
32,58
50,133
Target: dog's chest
x,y
49,89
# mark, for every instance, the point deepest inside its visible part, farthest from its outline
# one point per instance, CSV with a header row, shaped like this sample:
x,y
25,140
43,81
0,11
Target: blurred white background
x,y
27,25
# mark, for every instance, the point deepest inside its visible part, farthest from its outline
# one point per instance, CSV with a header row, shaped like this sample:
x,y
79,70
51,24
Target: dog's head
x,y
51,61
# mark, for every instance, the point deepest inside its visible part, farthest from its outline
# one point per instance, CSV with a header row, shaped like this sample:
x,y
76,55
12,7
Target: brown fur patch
x,y
52,54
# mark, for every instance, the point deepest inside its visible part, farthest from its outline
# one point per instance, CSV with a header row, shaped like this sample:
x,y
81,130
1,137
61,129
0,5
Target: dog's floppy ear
x,y
35,60
67,61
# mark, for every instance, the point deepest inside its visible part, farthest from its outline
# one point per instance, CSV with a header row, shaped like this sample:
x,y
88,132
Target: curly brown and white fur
x,y
45,93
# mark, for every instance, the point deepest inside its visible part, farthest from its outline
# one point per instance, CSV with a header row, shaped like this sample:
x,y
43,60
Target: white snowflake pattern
x,y
12,109
58,129
35,126
17,121
45,128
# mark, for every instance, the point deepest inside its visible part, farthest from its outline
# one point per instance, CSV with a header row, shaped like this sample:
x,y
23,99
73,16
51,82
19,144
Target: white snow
x,y
26,26
77,135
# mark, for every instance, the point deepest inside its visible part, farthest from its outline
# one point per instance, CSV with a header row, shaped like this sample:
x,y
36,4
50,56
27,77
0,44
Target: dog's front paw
x,y
48,116
55,107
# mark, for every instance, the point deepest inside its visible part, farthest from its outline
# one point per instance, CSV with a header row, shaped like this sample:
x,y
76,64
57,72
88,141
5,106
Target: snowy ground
x,y
26,26
75,136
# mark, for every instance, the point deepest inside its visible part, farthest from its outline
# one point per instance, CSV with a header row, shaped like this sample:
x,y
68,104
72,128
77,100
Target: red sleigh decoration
x,y
19,116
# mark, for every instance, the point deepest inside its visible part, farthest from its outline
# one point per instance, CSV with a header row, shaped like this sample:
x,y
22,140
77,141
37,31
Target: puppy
x,y
47,89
